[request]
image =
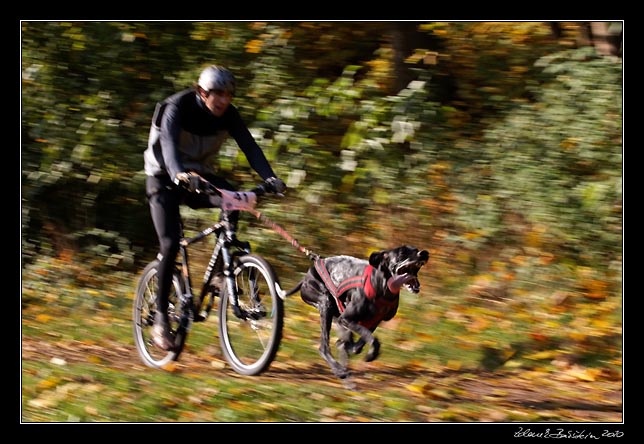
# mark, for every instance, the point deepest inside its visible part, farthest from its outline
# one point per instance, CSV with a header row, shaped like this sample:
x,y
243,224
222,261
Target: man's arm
x,y
256,158
170,133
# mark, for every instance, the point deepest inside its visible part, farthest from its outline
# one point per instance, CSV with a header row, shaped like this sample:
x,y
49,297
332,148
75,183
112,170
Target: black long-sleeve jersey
x,y
186,136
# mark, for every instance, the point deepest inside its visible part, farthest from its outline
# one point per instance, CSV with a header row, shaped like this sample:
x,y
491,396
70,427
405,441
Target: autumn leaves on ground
x,y
445,358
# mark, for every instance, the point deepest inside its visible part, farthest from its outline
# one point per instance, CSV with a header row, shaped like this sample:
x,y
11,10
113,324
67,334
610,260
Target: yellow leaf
x,y
601,323
170,403
170,366
43,318
577,336
508,354
438,394
513,364
546,354
417,386
49,383
478,325
584,374
425,337
254,46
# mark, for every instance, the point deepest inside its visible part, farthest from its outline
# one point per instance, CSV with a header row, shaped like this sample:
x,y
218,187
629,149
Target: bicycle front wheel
x,y
250,338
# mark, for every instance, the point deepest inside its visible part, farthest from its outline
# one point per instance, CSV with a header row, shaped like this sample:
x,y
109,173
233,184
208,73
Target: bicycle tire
x,y
143,311
249,345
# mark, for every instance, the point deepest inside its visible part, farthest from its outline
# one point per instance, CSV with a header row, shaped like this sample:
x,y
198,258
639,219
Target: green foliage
x,y
500,142
88,93
557,162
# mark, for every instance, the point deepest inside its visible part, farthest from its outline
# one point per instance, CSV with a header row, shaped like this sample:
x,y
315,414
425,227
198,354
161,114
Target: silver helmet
x,y
217,78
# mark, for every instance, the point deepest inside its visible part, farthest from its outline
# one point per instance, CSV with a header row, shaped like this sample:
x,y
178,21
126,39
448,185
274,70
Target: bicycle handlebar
x,y
232,200
246,201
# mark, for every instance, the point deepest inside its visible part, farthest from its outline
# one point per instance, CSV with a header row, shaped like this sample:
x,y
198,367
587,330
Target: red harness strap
x,y
328,282
353,282
383,306
383,309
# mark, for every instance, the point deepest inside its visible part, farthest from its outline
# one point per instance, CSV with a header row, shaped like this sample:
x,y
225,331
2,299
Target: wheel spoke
x,y
250,344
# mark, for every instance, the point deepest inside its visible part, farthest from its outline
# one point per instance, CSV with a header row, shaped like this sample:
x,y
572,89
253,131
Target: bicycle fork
x,y
229,274
186,296
229,279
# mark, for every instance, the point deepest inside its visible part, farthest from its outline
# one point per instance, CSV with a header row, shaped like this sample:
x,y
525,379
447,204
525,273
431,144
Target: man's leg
x,y
164,209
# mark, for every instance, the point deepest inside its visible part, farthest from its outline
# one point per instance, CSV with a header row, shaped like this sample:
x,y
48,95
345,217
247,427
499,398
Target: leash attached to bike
x,y
246,201
282,232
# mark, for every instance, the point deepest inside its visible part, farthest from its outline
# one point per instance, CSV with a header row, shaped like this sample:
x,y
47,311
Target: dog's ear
x,y
376,258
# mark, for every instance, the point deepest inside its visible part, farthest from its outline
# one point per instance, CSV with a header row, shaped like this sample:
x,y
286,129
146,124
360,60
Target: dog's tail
x,y
284,294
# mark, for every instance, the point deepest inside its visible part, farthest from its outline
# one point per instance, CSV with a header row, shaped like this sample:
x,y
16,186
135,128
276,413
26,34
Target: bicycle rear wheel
x,y
250,342
144,309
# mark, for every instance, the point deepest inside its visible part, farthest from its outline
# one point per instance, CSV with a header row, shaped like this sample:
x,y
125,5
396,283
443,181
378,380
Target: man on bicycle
x,y
187,132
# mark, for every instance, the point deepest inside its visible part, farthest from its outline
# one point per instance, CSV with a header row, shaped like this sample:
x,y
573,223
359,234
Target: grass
x,y
444,358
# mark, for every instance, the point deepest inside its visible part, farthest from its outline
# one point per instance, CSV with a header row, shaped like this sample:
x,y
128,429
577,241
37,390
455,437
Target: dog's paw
x,y
341,372
349,384
356,347
374,350
352,348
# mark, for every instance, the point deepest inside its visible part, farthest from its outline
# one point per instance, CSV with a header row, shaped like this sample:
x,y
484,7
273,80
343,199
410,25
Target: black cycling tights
x,y
165,198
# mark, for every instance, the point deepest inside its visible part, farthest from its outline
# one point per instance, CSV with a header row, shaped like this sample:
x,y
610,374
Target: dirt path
x,y
584,399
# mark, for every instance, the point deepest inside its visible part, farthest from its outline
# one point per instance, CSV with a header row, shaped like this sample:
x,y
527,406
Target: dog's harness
x,y
383,306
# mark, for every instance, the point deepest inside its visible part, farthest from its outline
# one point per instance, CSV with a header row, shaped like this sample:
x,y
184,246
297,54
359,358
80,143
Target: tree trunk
x,y
606,37
405,38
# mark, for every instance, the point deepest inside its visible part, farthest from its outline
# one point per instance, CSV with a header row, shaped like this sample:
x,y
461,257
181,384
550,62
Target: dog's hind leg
x,y
326,321
344,344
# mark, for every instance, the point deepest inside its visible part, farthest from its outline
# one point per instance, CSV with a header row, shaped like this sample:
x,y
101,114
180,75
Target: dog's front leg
x,y
356,347
326,321
346,344
365,335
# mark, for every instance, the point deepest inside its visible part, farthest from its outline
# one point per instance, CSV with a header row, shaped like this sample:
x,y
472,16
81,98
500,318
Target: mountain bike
x,y
250,309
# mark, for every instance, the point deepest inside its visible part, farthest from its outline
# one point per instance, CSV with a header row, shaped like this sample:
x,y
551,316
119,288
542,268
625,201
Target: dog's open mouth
x,y
413,285
407,275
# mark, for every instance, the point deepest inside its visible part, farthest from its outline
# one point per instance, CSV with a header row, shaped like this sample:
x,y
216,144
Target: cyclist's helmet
x,y
217,78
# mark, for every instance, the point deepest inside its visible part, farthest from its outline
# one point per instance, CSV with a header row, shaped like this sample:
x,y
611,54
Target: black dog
x,y
359,295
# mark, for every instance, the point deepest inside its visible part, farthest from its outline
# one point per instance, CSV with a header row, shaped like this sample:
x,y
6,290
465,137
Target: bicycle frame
x,y
250,305
231,201
226,240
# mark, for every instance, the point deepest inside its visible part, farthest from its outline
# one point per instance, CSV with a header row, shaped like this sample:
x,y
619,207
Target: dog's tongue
x,y
395,283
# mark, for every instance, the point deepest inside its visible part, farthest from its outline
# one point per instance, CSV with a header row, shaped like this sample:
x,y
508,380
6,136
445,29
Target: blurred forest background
x,y
496,146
